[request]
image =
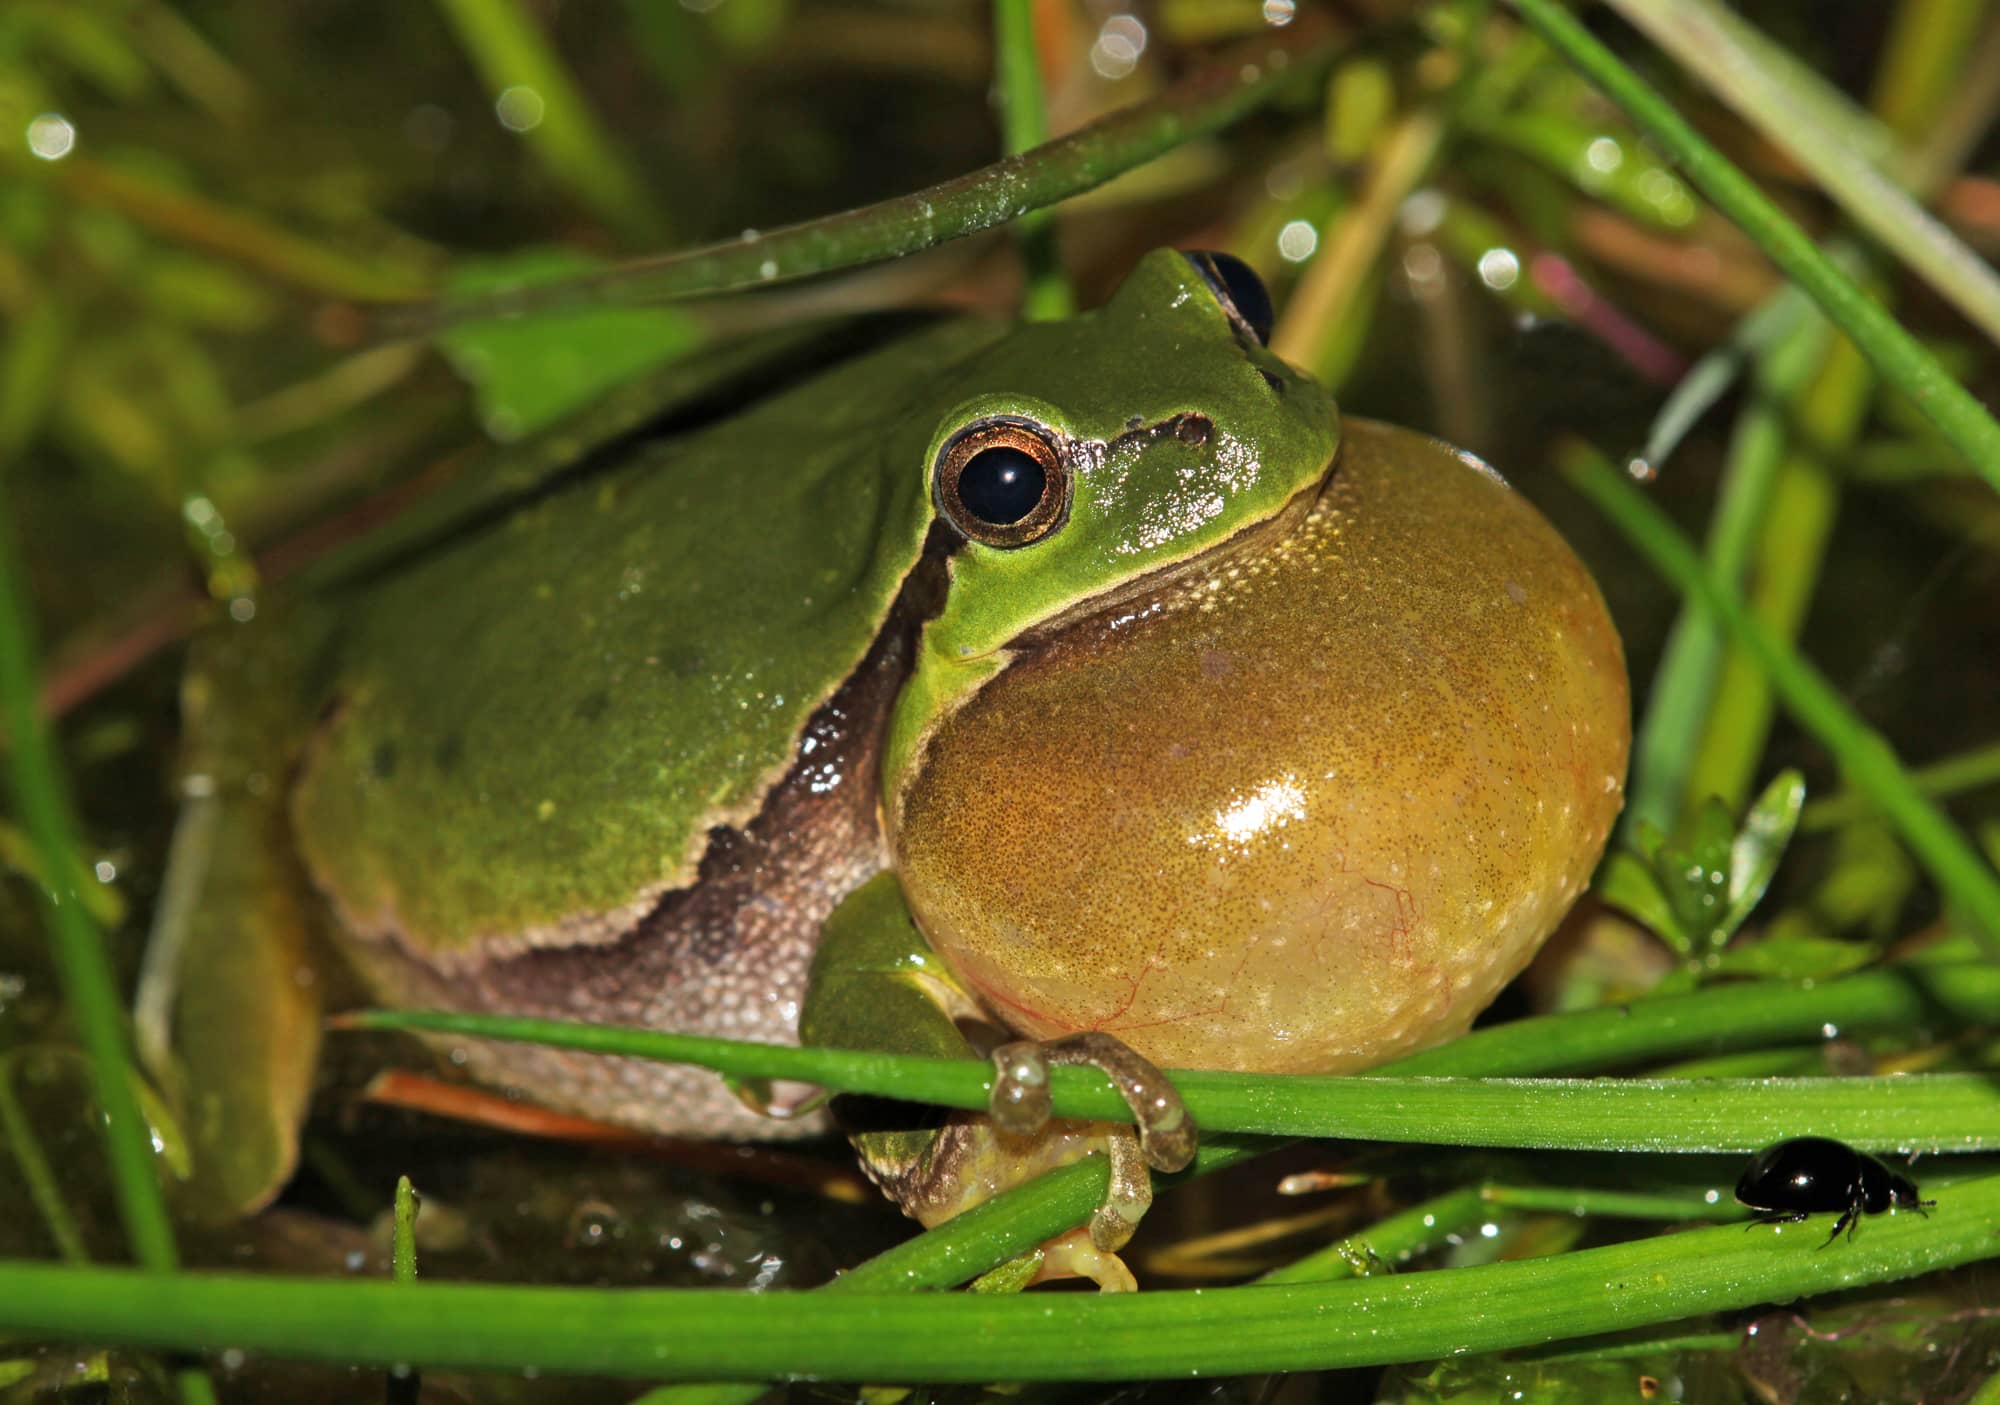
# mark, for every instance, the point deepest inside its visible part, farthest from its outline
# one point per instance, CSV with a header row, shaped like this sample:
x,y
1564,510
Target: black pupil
x,y
1001,485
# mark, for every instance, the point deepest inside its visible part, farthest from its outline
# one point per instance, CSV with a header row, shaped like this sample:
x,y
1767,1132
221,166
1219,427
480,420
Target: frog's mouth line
x,y
1107,608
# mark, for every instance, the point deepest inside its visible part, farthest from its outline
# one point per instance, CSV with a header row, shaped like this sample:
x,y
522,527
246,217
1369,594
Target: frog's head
x,y
1092,457
1255,743
1093,453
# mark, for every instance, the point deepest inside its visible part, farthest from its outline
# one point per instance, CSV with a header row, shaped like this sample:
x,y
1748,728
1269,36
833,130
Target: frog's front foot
x,y
1163,1136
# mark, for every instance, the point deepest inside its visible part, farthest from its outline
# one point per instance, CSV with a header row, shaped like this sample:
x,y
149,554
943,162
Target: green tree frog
x,y
1095,679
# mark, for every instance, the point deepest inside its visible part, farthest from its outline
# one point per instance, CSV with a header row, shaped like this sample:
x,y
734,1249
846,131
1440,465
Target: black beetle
x,y
1795,1178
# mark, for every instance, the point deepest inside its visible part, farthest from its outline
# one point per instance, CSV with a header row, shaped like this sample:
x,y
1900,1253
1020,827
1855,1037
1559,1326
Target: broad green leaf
x,y
527,374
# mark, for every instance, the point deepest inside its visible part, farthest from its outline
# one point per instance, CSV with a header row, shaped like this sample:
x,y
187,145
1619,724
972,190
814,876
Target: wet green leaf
x,y
1754,855
1695,889
1628,883
527,375
1693,869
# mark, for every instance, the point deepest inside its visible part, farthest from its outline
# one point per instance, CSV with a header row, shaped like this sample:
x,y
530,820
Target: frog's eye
x,y
1238,288
1003,482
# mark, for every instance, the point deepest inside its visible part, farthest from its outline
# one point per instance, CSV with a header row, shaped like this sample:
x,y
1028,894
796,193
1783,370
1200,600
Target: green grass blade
x,y
1024,125
680,1333
1954,775
535,96
40,799
17,1136
1902,361
1937,1111
1783,570
1401,1236
405,1386
1891,1001
403,1237
1199,105
1863,755
1734,1016
1677,710
1733,59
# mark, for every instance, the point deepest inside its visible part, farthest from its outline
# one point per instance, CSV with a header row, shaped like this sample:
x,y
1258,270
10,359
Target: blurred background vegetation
x,y
202,202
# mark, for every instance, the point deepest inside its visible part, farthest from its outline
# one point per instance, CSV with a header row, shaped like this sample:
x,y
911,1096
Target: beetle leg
x,y
1776,1217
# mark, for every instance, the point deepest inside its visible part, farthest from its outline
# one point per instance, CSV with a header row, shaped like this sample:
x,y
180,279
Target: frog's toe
x,y
1164,1137
1079,1255
1020,1102
1128,1193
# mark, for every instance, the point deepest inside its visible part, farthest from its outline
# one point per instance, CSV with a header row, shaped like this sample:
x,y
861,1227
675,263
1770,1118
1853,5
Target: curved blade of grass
x,y
1203,103
1902,361
1024,125
1669,734
1864,756
18,1137
1771,324
677,1333
1899,999
1894,1000
1954,775
1783,569
41,801
1736,61
1960,1111
512,53
270,248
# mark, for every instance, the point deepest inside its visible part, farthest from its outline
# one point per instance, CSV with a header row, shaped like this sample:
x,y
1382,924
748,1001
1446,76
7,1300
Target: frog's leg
x,y
1164,1138
876,984
228,1010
